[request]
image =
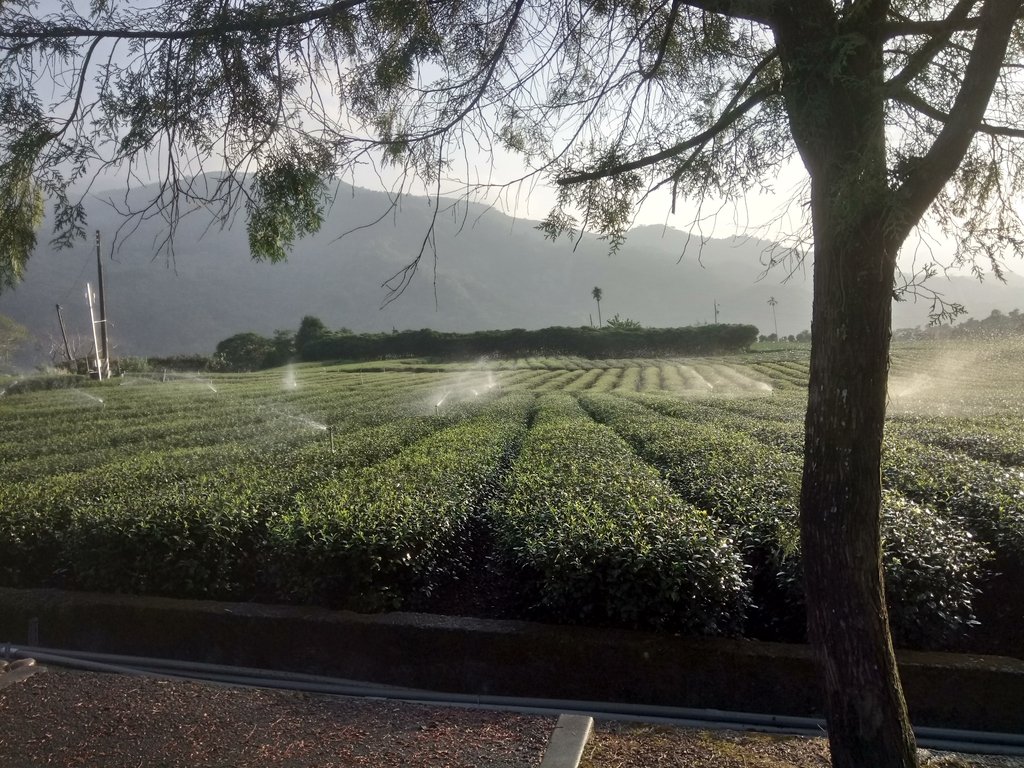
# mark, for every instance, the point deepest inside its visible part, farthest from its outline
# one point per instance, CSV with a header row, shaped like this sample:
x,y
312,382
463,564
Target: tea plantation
x,y
653,493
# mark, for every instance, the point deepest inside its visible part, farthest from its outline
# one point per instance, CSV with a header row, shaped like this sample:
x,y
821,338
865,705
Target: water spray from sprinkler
x,y
289,381
91,397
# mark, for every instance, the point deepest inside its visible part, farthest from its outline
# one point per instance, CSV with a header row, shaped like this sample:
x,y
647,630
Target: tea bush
x,y
933,565
371,538
606,540
986,498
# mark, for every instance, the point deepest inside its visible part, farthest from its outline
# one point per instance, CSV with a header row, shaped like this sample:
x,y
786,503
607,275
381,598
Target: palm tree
x,y
771,303
597,293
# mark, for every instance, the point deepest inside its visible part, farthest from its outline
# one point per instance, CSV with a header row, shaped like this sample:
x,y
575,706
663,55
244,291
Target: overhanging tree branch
x,y
923,56
760,11
728,118
917,103
670,23
77,104
928,176
492,65
229,25
903,27
921,27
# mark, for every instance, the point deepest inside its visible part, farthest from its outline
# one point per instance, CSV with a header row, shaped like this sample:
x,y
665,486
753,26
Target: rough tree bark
x,y
835,100
841,503
835,94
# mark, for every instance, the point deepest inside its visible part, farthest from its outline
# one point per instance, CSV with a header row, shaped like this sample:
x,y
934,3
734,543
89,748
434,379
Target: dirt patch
x,y
69,718
618,745
630,744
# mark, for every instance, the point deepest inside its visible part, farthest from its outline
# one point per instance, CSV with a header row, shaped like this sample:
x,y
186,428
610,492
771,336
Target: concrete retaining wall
x,y
507,658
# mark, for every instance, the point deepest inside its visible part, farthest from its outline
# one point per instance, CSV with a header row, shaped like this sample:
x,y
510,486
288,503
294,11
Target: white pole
x,y
95,339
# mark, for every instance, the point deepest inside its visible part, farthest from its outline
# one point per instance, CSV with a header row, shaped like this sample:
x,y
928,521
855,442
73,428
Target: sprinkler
x,y
330,432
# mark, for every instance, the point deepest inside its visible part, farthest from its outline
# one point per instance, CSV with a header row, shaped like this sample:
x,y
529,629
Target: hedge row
x,y
60,432
373,538
517,342
983,497
193,523
143,526
990,439
933,565
986,498
605,540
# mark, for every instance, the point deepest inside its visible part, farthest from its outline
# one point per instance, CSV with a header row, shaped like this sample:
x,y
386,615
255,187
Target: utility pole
x,y
104,353
716,311
64,335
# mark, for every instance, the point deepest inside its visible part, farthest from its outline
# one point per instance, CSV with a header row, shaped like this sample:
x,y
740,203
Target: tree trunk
x,y
841,492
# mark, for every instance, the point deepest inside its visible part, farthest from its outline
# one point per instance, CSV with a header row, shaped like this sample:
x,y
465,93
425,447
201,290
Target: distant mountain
x,y
492,271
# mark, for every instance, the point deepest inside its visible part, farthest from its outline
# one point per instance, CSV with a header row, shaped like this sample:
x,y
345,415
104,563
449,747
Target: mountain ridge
x,y
492,271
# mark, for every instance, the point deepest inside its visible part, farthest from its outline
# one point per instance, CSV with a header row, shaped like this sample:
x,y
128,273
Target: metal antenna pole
x,y
64,335
103,312
95,340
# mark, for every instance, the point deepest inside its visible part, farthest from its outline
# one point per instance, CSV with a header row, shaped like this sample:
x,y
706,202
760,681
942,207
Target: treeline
x,y
998,323
804,336
314,341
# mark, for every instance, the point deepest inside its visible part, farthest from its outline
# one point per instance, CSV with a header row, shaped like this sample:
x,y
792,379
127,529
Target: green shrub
x,y
985,498
933,565
192,523
45,383
372,538
605,540
932,571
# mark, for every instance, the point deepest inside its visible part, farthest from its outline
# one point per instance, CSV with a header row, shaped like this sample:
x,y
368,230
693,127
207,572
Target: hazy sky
x,y
773,214
533,200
